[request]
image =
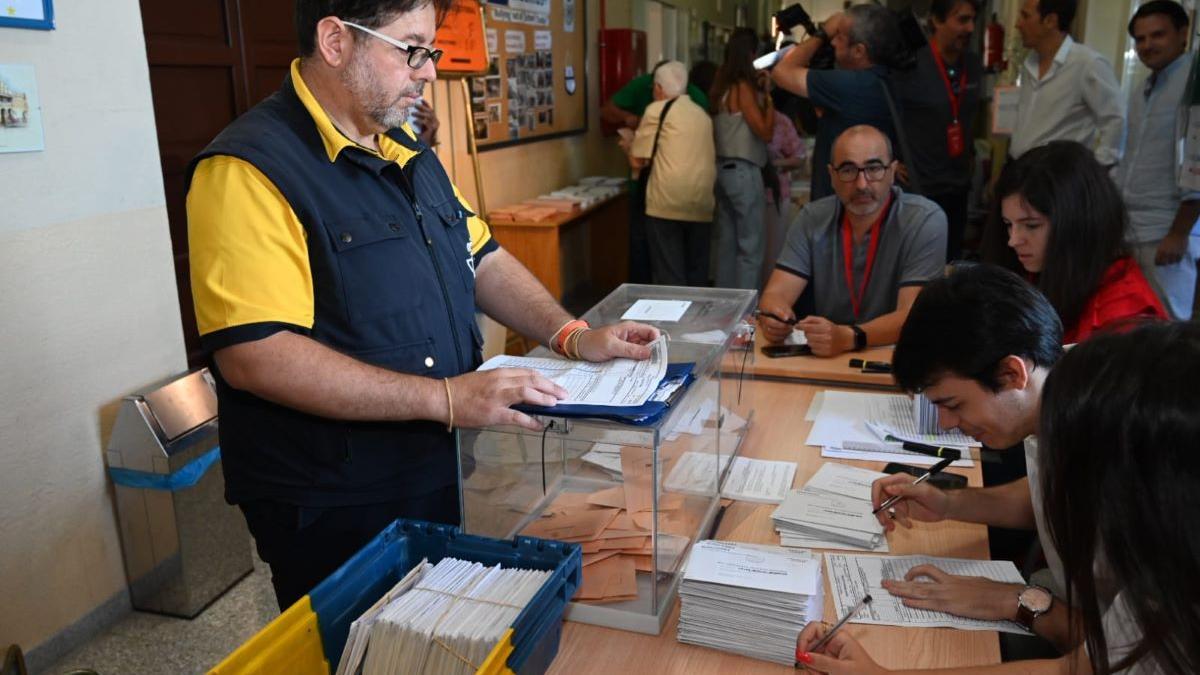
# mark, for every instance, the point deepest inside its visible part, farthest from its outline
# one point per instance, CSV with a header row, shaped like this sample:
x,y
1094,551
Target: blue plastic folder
x,y
644,415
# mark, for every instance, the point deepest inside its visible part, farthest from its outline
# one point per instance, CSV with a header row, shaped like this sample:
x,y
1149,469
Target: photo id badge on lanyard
x,y
955,143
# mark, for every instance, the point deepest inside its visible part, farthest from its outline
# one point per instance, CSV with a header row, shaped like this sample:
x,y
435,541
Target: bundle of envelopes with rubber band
x,y
443,618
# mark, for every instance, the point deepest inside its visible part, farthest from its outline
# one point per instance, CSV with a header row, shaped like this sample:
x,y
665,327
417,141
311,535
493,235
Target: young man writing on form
x,y
1119,471
979,343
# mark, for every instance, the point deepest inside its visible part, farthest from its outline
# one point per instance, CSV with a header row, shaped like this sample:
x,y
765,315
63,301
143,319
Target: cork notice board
x,y
535,86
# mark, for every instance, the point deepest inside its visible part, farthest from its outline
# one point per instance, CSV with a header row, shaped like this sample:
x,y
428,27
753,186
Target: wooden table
x,y
834,370
777,434
568,250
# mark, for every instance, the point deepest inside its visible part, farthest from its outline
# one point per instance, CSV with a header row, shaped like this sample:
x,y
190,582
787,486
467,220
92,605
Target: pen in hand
x,y
933,471
816,646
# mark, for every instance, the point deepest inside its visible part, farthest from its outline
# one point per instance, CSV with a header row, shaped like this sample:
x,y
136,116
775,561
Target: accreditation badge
x,y
955,143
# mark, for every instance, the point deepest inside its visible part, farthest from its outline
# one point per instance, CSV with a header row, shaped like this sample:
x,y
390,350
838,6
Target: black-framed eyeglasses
x,y
848,172
417,56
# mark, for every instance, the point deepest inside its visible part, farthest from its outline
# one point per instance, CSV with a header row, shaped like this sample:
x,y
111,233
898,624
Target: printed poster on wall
x,y
20,110
568,16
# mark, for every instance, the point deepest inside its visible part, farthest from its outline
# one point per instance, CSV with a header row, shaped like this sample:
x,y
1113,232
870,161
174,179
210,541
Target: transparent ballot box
x,y
635,497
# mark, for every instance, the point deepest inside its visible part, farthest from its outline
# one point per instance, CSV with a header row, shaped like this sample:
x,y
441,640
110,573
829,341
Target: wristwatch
x,y
1032,602
860,337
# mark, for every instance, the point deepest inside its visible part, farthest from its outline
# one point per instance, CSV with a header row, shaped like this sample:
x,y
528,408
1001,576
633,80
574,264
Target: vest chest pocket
x,y
454,217
382,267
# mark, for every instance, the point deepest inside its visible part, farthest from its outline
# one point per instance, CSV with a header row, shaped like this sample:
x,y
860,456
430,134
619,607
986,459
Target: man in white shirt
x,y
1067,91
1162,216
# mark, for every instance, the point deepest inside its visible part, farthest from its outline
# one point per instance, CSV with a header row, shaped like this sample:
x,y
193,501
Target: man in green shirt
x,y
625,108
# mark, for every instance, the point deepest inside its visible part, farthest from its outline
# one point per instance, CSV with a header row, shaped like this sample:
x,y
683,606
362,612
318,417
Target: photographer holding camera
x,y
866,40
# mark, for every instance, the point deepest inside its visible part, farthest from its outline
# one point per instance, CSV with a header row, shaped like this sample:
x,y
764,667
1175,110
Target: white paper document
x,y
695,473
618,383
758,480
767,568
844,416
845,480
914,458
828,511
708,337
853,576
656,310
895,414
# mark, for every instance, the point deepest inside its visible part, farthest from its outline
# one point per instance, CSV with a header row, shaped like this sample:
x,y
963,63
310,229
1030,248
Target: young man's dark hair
x,y
940,9
369,13
1063,9
1168,8
965,323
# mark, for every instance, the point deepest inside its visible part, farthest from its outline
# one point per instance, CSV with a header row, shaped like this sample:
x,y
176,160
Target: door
x,y
210,61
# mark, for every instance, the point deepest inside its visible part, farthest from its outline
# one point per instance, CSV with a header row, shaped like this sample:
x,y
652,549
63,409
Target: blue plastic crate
x,y
347,593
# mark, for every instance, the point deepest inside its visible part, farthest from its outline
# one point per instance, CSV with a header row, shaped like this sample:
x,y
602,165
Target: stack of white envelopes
x,y
440,619
749,599
832,510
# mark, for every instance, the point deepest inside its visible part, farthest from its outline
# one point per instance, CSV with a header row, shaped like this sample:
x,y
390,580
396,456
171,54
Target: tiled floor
x,y
150,644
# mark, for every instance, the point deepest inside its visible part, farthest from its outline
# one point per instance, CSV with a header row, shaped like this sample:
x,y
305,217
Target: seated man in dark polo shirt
x,y
336,273
865,251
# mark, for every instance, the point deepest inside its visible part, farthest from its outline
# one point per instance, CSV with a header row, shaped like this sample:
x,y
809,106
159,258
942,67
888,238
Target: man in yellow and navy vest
x,y
336,273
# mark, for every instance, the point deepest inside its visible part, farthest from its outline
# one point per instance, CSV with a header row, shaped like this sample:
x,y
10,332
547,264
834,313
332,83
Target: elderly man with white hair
x,y
674,141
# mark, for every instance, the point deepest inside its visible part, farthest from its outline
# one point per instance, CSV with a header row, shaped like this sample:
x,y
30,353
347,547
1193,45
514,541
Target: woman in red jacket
x,y
1059,220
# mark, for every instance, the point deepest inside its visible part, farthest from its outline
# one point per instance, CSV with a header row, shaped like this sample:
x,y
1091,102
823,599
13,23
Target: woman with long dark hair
x,y
1120,490
742,125
1058,219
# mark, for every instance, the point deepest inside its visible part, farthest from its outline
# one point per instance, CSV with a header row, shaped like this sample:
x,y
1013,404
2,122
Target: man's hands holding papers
x,y
842,655
921,502
482,398
927,587
626,339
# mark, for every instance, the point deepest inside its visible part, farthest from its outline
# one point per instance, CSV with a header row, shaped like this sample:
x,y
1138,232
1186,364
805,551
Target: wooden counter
x,y
777,433
587,247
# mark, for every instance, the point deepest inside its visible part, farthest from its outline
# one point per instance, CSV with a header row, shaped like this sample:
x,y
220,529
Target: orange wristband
x,y
558,342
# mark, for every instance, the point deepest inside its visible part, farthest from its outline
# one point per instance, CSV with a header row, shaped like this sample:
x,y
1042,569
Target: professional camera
x,y
911,37
788,18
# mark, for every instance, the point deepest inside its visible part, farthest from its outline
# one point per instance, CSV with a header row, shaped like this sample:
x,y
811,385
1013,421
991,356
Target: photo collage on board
x,y
526,83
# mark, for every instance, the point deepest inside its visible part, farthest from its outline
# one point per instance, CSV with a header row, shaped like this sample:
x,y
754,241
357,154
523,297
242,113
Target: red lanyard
x,y
962,80
848,254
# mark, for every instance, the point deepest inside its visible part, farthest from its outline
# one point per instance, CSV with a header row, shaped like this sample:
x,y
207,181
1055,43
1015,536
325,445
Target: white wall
x,y
88,310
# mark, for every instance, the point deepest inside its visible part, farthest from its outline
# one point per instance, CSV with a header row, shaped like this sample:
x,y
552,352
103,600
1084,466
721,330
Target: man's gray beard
x,y
863,210
360,80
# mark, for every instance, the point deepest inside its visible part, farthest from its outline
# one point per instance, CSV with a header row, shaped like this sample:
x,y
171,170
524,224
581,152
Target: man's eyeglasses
x,y
848,172
417,56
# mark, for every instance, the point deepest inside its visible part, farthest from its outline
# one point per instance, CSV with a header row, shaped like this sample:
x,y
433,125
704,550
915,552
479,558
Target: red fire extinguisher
x,y
993,47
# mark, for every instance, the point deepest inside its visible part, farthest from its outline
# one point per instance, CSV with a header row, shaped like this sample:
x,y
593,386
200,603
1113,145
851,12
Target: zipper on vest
x,y
437,267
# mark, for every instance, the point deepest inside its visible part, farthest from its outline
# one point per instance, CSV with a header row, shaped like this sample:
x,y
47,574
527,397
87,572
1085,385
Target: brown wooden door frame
x,y
209,61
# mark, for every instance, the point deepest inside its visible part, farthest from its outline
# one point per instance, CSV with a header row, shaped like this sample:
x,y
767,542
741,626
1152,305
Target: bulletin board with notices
x,y
535,86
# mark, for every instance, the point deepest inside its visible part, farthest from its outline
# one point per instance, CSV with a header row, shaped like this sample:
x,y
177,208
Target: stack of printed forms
x,y
832,510
443,618
749,599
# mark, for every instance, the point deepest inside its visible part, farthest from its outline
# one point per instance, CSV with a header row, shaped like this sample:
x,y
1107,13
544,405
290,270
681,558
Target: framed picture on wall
x,y
36,14
20,111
